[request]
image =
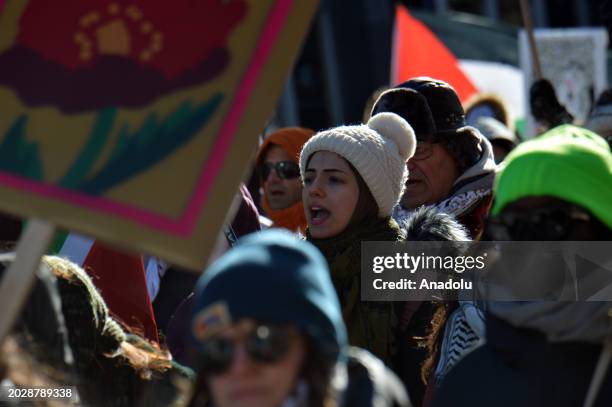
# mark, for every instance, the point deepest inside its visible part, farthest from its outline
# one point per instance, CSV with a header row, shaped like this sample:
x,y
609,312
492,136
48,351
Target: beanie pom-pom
x,y
393,127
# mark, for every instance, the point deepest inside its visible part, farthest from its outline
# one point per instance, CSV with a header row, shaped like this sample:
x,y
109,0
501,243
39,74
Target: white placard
x,y
574,61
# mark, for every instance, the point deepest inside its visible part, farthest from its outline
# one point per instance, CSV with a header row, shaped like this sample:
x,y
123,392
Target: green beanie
x,y
567,162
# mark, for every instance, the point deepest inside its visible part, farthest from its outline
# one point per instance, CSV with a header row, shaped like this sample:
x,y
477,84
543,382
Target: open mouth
x,y
318,215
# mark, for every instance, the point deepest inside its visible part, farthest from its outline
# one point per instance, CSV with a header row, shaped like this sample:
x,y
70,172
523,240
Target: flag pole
x,y
17,281
528,24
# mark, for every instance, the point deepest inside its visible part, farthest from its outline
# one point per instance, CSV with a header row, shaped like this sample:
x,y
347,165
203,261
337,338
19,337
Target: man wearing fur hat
x,y
453,167
277,164
451,171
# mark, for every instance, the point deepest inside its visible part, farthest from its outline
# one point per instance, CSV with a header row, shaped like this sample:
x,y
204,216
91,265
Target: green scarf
x,y
370,325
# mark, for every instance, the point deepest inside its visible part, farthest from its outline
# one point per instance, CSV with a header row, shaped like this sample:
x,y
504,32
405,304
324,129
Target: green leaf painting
x,y
96,141
17,155
133,152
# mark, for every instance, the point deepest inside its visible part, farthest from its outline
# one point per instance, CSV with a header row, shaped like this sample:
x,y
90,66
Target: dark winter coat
x,y
423,224
371,383
519,367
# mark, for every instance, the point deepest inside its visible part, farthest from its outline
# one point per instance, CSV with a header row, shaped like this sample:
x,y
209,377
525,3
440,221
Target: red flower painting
x,y
84,55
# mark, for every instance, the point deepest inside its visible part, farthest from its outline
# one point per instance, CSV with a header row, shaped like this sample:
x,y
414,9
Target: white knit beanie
x,y
378,150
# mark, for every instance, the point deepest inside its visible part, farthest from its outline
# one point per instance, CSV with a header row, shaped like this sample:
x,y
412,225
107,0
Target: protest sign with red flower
x,y
133,121
84,55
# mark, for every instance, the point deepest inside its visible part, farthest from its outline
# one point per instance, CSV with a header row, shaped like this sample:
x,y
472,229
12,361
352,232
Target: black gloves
x,y
545,106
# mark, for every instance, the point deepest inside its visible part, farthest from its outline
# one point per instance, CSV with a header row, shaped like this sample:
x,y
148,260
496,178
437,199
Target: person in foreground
x,y
269,331
73,340
547,352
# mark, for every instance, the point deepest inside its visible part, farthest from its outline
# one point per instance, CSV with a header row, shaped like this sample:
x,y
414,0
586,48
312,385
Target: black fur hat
x,y
434,111
432,107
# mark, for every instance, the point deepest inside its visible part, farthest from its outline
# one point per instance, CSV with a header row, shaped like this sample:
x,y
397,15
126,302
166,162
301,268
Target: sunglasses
x,y
547,224
265,344
284,169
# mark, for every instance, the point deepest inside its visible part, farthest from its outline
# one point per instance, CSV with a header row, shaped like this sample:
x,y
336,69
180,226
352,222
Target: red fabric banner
x,y
418,52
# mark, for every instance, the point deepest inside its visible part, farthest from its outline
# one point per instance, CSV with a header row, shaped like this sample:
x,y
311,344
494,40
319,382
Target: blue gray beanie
x,y
271,277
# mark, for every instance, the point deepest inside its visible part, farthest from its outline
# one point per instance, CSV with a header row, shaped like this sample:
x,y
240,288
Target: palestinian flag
x,y
469,52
